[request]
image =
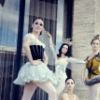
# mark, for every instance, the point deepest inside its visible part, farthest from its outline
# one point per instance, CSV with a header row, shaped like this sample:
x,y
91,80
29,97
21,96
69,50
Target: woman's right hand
x,y
36,62
83,79
48,34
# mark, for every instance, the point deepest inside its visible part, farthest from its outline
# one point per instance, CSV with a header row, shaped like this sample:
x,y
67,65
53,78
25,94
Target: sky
x,y
9,15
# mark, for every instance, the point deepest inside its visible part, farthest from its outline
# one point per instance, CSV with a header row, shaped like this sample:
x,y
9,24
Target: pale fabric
x,y
61,64
60,67
34,40
94,91
37,73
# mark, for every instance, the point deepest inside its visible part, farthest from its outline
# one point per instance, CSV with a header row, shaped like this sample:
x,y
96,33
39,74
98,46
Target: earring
x,y
31,29
41,33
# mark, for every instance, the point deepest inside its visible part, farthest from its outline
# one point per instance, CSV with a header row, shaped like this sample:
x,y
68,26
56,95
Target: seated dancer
x,y
69,95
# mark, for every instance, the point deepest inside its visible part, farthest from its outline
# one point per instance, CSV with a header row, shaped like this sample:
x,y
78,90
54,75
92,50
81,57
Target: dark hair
x,y
97,37
68,79
60,50
35,18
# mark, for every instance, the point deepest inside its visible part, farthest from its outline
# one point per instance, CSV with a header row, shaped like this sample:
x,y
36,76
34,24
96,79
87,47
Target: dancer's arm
x,y
51,45
74,60
45,58
83,74
52,48
63,97
84,70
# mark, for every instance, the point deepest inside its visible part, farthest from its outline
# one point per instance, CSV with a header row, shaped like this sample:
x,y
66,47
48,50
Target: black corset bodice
x,y
37,52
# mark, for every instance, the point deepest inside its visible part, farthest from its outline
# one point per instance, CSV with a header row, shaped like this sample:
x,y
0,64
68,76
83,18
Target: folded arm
x,y
26,45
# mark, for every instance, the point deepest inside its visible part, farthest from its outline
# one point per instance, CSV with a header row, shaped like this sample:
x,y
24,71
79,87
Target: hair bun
x,y
97,36
67,41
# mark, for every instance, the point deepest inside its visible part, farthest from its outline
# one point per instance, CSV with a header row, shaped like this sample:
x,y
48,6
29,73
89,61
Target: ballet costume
x,y
36,73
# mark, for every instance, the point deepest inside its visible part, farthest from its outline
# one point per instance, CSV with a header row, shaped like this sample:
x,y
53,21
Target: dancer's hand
x,y
83,80
48,34
36,62
83,75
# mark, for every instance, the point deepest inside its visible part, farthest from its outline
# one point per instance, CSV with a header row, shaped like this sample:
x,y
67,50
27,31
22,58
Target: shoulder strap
x,y
86,58
98,55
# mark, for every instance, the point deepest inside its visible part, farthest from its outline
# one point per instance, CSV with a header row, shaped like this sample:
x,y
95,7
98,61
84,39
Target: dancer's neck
x,y
63,55
36,34
70,92
95,52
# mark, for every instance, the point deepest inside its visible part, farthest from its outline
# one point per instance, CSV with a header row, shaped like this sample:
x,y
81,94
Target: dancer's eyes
x,y
96,43
36,23
72,83
68,83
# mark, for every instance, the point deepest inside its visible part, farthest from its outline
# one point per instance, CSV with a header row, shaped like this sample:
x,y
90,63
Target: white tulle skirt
x,y
35,73
60,74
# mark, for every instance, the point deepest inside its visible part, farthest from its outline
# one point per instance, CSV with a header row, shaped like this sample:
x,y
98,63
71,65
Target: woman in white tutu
x,y
35,73
61,61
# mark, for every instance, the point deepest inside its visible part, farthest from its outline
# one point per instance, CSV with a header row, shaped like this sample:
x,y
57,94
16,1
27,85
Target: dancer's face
x,y
64,49
38,25
96,45
70,84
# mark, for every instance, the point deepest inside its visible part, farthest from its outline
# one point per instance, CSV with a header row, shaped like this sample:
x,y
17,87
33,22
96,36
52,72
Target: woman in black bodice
x,y
35,73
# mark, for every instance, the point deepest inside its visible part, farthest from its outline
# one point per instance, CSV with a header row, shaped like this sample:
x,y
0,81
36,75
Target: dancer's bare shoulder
x,y
77,97
63,96
89,57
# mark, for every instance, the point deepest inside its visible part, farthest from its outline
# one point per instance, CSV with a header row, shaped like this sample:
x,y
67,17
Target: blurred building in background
x,y
75,19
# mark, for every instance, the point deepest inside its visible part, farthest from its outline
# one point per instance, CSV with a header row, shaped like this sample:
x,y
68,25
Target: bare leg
x,y
29,90
49,88
94,91
60,89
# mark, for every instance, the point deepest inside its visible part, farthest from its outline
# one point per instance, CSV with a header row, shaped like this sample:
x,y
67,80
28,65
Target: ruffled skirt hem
x,y
36,73
92,81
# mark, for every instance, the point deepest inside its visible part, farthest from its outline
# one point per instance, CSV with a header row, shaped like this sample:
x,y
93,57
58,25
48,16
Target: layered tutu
x,y
92,81
36,73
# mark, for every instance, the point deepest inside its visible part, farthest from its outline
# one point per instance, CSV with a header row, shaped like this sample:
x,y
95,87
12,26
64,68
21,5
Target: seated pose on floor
x,y
69,95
